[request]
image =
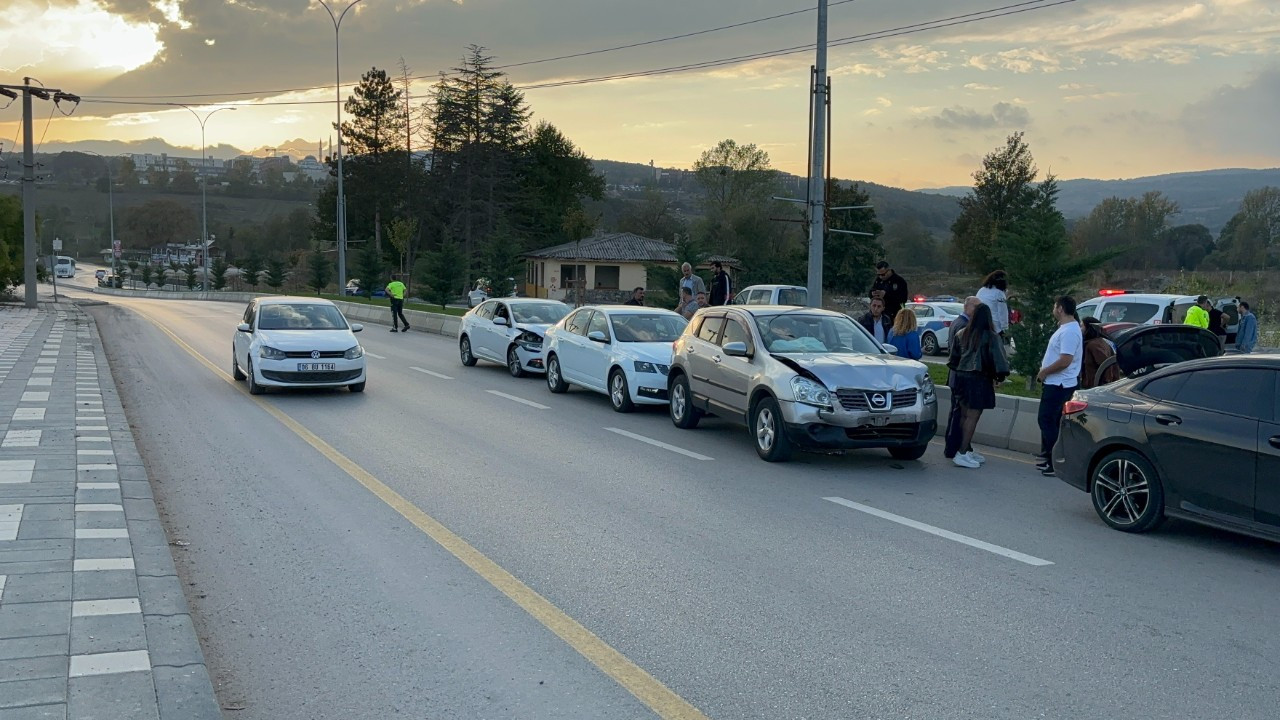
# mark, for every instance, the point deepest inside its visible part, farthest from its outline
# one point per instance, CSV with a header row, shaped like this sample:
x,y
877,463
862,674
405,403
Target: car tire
x,y
768,431
910,452
254,387
464,351
1126,492
929,344
683,414
555,380
357,387
513,363
619,393
236,372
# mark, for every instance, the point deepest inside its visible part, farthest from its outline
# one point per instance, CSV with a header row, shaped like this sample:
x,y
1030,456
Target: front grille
x,y
860,400
901,431
307,353
311,377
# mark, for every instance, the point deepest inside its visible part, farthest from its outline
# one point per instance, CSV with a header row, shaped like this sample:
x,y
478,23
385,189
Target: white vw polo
x,y
296,342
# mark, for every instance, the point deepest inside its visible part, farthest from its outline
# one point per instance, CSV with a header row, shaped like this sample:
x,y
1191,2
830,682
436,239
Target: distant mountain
x,y
1209,197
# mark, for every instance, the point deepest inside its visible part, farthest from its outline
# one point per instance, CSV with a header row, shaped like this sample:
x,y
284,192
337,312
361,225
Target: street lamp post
x,y
204,182
111,214
340,215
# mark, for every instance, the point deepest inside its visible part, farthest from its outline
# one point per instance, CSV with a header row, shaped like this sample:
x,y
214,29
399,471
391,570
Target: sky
x,y
1102,88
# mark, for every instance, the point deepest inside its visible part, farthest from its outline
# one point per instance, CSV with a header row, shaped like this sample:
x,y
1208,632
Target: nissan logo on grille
x,y
878,400
315,354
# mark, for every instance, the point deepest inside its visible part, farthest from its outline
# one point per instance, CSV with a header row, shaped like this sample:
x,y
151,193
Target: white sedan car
x,y
509,331
934,321
296,342
621,351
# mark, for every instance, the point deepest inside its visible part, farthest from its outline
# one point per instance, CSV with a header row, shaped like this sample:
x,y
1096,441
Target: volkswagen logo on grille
x,y
315,354
878,400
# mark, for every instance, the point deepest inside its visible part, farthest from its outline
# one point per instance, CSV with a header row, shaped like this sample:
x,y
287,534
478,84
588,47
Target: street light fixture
x,y
204,182
340,215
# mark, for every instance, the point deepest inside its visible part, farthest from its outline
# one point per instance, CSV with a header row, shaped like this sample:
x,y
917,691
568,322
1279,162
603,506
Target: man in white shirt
x,y
1059,371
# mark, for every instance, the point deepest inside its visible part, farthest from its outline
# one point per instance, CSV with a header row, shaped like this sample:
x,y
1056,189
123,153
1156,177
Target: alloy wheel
x,y
679,401
1122,491
766,429
617,390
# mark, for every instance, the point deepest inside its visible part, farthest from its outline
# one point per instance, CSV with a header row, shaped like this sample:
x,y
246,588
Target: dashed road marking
x,y
659,443
432,373
520,400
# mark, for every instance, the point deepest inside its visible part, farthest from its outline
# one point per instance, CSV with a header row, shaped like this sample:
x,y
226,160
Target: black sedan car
x,y
1197,440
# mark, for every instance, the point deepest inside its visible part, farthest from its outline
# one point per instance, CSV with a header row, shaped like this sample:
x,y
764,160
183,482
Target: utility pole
x,y
29,246
340,212
817,140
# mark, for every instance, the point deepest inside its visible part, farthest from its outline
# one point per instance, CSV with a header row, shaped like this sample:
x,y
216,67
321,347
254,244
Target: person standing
x,y
688,306
1247,331
1198,314
954,435
693,283
1097,350
721,286
637,297
1218,325
993,295
877,322
904,336
889,287
982,366
1060,374
395,291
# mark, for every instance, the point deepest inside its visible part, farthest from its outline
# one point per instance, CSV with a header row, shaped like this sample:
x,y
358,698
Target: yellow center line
x,y
646,688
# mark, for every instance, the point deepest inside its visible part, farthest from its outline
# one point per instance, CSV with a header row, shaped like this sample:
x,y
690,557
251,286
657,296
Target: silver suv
x,y
800,378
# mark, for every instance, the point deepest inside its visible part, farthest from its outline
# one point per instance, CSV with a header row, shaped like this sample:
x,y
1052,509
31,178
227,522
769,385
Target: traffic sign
x,y
57,244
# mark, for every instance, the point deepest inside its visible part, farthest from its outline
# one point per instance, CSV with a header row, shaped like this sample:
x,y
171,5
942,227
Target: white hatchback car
x,y
622,351
509,331
296,342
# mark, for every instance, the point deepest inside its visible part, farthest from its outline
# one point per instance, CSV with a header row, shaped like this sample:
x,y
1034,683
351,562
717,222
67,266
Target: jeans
x,y
397,312
1052,398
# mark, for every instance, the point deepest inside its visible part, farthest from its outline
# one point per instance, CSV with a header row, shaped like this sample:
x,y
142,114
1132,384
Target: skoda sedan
x,y
296,342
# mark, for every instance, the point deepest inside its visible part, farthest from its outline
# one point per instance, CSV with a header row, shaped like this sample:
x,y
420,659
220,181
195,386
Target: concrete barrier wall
x,y
1011,425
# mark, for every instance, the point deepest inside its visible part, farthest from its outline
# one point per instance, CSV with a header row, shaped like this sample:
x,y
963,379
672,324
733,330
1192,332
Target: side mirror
x,y
244,327
736,349
356,327
891,349
597,336
501,321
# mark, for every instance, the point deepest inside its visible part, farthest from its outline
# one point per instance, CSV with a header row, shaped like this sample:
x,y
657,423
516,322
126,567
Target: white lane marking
x,y
520,400
375,355
932,530
432,373
659,443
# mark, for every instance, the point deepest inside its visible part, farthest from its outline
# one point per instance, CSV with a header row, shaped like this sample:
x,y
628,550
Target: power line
x,y
46,126
508,66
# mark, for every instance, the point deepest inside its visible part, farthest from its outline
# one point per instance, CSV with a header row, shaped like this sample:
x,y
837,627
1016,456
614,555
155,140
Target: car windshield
x,y
648,328
300,317
951,308
805,333
548,313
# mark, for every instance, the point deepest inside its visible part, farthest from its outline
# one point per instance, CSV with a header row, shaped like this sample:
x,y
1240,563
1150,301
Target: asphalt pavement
x,y
831,587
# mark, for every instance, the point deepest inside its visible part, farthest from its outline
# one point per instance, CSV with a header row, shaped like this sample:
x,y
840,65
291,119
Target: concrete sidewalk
x,y
93,622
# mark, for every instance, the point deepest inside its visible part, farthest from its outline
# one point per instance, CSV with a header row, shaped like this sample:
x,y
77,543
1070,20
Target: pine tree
x,y
319,267
275,273
250,269
1002,193
372,270
189,270
219,273
443,272
375,137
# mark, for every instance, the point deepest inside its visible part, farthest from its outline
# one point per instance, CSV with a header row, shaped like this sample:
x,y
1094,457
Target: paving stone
x,y
22,568
40,646
123,696
135,489
54,476
108,633
148,533
36,712
22,693
140,510
34,619
24,556
38,587
186,693
104,584
171,640
153,559
46,529
162,595
97,496
94,548
59,511
34,668
99,520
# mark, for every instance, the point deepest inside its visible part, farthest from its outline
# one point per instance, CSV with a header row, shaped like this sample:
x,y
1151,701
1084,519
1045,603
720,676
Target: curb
x,y
1012,425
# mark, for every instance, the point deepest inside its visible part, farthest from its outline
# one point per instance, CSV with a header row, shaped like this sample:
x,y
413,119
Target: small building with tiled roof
x,y
608,265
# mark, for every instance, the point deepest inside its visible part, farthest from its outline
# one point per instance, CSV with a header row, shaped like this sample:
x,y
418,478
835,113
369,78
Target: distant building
x,y
147,161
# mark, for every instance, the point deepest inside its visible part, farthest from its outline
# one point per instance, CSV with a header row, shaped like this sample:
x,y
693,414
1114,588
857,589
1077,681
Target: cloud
x,y
979,87
1239,119
884,102
1002,115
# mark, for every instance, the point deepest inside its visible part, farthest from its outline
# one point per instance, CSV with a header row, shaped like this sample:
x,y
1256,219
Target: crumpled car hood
x,y
865,372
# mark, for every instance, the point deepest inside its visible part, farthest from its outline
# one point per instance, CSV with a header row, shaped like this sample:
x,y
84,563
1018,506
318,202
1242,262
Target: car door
x,y
571,347
730,376
240,343
595,353
1205,441
478,326
1267,493
496,336
699,350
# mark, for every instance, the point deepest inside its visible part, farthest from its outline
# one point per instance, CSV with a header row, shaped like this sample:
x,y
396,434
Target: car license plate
x,y
312,367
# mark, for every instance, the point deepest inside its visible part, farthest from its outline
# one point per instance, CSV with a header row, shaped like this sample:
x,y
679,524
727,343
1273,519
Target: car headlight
x,y
927,389
650,367
810,393
267,352
530,341
354,353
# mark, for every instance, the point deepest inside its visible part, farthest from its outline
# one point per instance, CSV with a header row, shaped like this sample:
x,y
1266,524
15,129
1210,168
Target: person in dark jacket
x,y
721,286
982,366
877,322
955,433
890,287
1097,350
637,297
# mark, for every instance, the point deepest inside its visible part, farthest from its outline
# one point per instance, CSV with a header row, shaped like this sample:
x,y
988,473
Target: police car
x,y
934,319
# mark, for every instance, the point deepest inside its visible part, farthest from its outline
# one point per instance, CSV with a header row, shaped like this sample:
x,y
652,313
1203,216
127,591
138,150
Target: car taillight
x,y
946,323
1074,406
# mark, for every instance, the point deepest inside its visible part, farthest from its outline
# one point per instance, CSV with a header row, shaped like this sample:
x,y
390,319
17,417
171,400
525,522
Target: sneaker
x,y
394,330
1047,471
1042,464
964,460
977,456
406,329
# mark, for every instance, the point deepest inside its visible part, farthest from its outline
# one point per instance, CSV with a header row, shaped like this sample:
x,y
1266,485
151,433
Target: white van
x,y
64,267
773,295
1121,306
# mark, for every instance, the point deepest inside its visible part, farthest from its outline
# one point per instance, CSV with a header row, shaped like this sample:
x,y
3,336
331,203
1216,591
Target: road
x,y
831,587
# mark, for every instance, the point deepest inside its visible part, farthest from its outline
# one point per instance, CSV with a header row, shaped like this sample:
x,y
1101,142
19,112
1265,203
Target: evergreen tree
x,y
319,267
275,274
1002,193
443,272
190,269
250,269
375,137
848,263
555,177
11,243
219,273
372,271
161,274
146,276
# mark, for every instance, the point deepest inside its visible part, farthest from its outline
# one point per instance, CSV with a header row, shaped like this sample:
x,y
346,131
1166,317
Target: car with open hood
x,y
800,378
509,332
